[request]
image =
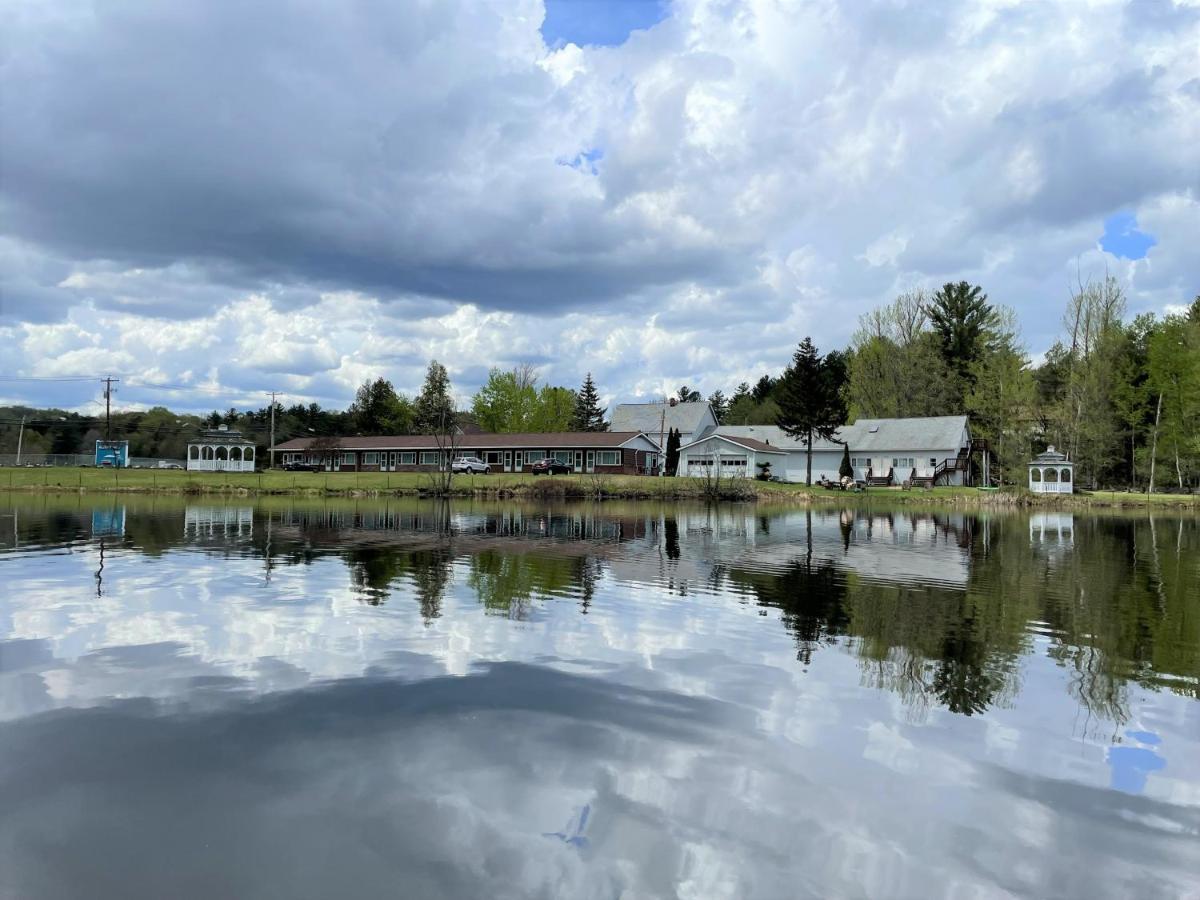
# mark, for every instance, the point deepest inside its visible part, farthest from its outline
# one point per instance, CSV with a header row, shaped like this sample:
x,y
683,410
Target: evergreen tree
x,y
845,469
687,395
720,406
589,415
673,437
961,318
434,411
810,396
378,409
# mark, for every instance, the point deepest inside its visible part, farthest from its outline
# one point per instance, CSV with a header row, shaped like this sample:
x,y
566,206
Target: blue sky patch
x,y
584,161
1122,238
604,23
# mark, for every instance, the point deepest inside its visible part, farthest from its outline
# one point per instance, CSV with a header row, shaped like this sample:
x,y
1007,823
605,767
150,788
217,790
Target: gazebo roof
x,y
216,436
1050,457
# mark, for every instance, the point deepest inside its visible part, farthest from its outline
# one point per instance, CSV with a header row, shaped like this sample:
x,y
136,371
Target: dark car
x,y
550,466
300,467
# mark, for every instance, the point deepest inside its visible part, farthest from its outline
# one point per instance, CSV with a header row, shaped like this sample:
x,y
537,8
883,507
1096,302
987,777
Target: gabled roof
x,y
774,436
748,443
601,439
925,433
648,417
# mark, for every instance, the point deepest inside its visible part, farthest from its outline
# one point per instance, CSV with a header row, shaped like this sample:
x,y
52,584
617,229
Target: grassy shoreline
x,y
309,484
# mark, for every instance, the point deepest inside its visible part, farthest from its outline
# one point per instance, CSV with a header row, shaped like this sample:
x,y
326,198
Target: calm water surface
x,y
479,700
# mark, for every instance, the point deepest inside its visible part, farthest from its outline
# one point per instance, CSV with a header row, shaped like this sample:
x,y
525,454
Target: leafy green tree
x,y
1173,362
555,409
505,403
379,409
810,397
589,414
434,410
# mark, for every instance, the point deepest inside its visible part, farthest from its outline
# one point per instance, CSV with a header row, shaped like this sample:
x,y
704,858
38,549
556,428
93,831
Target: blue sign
x,y
113,454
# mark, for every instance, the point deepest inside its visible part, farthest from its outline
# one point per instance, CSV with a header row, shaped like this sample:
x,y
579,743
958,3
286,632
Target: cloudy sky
x,y
233,198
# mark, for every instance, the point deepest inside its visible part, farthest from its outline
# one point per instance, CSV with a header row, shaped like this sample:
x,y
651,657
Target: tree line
x,y
1121,397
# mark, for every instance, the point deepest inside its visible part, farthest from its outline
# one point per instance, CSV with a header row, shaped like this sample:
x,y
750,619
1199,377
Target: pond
x,y
413,699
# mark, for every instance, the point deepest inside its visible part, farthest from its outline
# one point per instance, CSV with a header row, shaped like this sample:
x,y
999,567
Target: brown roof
x,y
748,443
602,439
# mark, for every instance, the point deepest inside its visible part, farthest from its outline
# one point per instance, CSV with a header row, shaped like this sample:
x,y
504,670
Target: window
x,y
563,456
733,460
408,459
347,459
370,459
902,462
608,457
532,456
493,457
429,458
861,462
1066,476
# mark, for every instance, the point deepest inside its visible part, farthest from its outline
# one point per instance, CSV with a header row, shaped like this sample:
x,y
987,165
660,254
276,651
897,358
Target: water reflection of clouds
x,y
723,748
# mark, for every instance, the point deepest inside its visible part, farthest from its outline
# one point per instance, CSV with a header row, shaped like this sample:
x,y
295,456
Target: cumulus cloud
x,y
315,194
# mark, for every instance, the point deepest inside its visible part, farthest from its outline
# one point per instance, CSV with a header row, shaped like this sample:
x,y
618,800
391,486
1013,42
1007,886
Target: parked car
x,y
163,464
300,467
470,465
549,466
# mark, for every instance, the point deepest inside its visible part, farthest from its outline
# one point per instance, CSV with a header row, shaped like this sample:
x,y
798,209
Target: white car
x,y
470,465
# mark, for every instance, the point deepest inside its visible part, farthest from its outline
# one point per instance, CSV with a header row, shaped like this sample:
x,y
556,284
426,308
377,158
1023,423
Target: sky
x,y
230,199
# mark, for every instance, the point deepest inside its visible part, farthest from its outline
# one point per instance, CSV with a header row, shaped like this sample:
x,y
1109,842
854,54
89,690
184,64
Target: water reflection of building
x,y
108,522
1052,529
201,522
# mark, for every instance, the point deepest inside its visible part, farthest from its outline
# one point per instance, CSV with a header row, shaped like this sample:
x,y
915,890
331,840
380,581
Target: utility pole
x,y
662,427
272,449
20,437
108,383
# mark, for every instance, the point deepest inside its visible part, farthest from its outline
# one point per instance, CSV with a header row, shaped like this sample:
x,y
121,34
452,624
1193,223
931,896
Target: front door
x,y
578,460
519,461
507,460
591,460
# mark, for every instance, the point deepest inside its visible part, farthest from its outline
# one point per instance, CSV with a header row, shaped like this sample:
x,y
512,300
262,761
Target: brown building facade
x,y
603,452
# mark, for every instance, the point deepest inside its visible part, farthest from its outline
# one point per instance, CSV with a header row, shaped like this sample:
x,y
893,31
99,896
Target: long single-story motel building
x,y
604,452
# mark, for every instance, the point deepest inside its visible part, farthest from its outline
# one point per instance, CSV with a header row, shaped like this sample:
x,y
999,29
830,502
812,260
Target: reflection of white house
x,y
935,449
220,450
218,521
1051,473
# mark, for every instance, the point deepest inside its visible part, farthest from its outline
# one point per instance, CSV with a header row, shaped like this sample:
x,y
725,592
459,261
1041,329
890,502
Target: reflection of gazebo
x,y
1051,473
220,450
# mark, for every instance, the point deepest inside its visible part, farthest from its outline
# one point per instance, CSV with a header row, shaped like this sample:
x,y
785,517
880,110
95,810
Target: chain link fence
x,y
85,459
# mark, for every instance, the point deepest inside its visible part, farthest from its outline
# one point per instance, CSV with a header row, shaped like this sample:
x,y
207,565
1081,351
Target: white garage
x,y
730,456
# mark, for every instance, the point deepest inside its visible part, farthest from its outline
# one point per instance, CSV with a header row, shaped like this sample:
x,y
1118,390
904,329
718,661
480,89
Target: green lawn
x,y
627,486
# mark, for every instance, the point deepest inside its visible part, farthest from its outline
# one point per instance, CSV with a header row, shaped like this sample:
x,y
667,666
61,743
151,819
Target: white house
x,y
730,455
656,419
928,450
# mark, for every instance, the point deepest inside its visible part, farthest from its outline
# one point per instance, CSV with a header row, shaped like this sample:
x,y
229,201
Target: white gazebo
x,y
1051,473
220,450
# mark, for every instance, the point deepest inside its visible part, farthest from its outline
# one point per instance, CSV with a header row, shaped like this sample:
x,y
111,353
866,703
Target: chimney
x,y
672,401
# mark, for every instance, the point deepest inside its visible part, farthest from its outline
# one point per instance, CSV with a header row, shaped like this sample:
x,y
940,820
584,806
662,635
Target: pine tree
x,y
845,469
589,415
961,318
435,412
720,406
810,396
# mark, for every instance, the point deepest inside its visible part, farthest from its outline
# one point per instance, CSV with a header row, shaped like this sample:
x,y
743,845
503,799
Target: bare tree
x,y
326,449
446,436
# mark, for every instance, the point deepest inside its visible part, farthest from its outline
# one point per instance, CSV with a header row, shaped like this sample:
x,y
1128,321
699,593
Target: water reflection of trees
x,y
1115,610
